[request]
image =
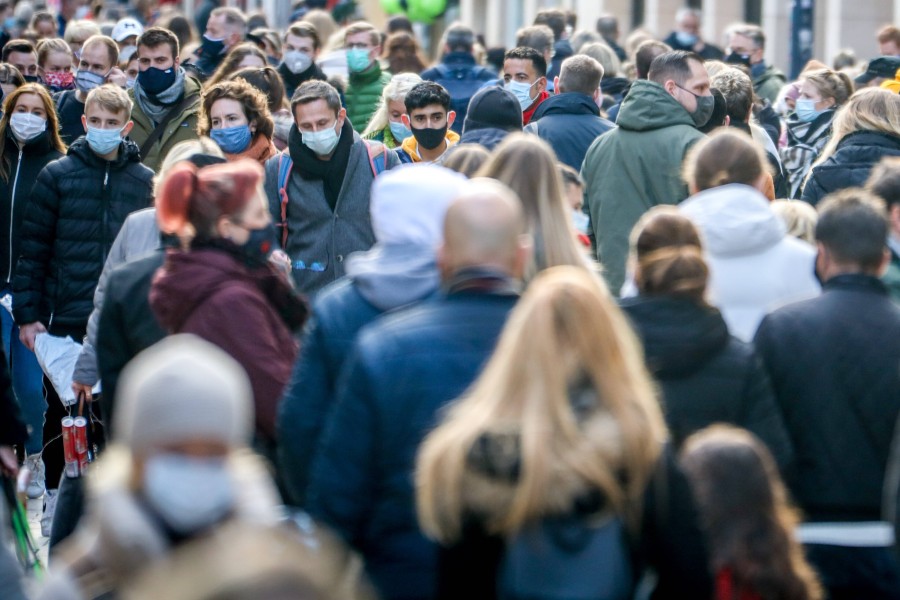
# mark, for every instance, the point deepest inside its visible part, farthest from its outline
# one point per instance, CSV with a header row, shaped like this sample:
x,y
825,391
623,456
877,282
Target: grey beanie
x,y
183,388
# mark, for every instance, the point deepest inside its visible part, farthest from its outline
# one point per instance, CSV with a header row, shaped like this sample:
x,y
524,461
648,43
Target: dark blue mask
x,y
210,47
154,81
261,243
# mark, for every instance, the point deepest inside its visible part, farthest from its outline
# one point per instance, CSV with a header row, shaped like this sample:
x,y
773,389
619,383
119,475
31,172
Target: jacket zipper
x,y
12,213
105,219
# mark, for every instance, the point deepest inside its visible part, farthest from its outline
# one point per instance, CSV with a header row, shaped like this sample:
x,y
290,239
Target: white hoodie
x,y
755,267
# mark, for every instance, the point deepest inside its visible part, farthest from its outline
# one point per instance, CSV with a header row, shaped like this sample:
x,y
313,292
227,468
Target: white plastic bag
x,y
57,357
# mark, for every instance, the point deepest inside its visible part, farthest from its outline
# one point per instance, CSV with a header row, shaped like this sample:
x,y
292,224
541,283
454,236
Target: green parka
x,y
634,167
363,95
182,127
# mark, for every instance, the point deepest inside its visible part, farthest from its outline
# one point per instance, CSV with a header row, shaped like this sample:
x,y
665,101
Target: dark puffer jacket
x,y
570,123
15,191
850,164
77,207
707,376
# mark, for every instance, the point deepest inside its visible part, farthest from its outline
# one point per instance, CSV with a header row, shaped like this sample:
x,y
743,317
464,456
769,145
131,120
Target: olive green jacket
x,y
182,127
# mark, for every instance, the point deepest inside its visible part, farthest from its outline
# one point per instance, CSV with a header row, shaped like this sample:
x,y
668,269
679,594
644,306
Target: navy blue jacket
x,y
850,164
570,123
339,312
462,77
403,369
833,362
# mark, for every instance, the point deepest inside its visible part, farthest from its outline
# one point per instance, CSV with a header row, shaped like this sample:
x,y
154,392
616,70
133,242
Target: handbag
x,y
57,357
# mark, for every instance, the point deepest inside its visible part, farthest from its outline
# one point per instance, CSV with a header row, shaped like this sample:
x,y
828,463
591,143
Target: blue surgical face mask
x,y
580,221
358,59
686,39
232,139
189,494
806,110
85,81
522,92
400,131
103,141
321,142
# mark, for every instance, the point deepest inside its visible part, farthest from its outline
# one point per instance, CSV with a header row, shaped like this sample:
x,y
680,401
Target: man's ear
x,y
542,87
556,89
670,87
84,123
127,129
451,117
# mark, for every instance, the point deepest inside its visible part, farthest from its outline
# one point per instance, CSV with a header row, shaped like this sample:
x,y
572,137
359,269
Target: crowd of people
x,y
586,317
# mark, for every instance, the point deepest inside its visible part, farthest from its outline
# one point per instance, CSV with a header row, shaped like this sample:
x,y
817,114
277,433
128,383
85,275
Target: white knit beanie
x,y
183,388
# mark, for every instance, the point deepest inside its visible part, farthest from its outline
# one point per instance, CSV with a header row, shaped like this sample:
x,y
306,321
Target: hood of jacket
x,y
129,152
568,103
494,461
614,86
649,106
678,336
389,276
734,220
187,279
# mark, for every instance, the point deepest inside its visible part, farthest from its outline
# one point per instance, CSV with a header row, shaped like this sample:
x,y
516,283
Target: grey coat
x,y
319,238
138,236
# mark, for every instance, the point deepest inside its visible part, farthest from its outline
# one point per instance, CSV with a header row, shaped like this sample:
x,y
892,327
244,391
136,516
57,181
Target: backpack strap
x,y
285,164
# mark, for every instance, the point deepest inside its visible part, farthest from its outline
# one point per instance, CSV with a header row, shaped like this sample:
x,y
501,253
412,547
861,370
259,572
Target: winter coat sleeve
x,y
303,413
12,429
112,349
86,371
344,475
38,236
762,416
812,190
671,539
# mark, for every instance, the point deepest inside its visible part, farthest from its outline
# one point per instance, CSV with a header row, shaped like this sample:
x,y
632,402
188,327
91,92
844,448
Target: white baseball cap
x,y
126,28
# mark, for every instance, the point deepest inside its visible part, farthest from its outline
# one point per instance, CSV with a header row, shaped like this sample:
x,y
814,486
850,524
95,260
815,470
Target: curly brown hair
x,y
254,103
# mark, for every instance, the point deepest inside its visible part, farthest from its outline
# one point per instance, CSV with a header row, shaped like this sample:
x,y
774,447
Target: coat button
x,y
340,258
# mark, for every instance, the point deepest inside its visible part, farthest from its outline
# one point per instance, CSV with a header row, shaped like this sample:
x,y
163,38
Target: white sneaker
x,y
49,509
35,487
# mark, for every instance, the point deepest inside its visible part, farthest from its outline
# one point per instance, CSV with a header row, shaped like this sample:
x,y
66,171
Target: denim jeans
x,y
27,379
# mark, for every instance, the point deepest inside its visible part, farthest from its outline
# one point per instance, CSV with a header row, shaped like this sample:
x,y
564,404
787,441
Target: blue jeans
x,y
27,378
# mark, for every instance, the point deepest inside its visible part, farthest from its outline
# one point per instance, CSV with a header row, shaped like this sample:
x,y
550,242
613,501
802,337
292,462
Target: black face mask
x,y
155,81
738,59
261,243
32,79
429,138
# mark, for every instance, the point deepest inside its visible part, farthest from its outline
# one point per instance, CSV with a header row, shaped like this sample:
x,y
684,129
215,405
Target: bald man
x,y
403,369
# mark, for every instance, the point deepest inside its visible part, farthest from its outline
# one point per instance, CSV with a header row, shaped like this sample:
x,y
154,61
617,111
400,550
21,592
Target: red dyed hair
x,y
198,197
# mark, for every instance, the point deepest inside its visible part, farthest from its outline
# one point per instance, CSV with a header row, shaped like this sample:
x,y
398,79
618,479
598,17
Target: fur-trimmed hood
x,y
494,463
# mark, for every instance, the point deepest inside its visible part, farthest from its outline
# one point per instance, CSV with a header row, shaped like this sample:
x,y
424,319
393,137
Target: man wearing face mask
x,y
166,99
178,471
362,43
428,116
126,33
298,63
226,28
686,35
637,165
525,75
98,56
322,207
747,46
77,207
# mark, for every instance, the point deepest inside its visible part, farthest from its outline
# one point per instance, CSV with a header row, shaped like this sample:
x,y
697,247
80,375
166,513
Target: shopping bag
x,y
57,357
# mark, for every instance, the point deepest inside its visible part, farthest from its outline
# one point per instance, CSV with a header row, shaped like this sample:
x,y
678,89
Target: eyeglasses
x,y
317,267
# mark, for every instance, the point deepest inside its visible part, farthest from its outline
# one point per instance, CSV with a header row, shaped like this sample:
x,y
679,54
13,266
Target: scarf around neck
x,y
331,172
156,106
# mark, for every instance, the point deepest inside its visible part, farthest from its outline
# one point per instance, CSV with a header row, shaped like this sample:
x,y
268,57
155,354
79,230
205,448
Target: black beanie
x,y
493,107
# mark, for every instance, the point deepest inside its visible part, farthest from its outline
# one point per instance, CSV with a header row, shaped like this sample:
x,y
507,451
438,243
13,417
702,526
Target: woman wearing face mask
x,y
55,65
386,125
220,286
179,472
865,130
236,116
269,83
809,127
30,141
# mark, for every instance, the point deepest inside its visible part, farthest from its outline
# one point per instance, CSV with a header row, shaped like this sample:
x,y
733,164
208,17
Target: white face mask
x,y
189,494
522,92
580,221
321,142
26,126
296,61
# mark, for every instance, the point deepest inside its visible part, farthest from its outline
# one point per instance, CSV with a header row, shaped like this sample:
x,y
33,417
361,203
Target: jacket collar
x,y
370,75
39,145
567,103
482,281
856,282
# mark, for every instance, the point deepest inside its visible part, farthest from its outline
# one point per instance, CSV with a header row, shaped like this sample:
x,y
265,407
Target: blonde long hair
x,y
396,90
527,165
565,330
869,109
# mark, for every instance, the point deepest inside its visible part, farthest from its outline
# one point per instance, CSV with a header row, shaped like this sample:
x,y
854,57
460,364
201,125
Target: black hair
x,y
426,94
853,226
527,53
675,65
